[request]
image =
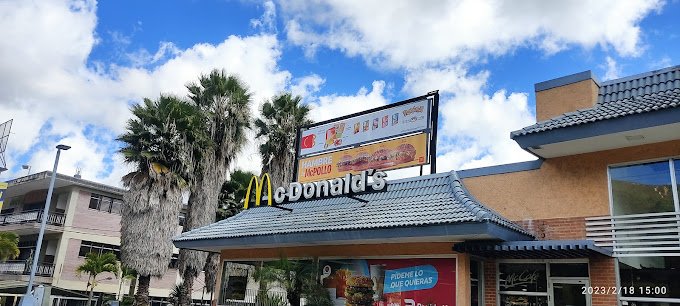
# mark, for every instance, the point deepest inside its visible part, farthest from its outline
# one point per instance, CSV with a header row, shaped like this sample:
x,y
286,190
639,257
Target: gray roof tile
x,y
649,92
427,200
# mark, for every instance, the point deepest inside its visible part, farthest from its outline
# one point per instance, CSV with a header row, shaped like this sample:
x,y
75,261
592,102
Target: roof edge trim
x,y
501,169
599,128
566,80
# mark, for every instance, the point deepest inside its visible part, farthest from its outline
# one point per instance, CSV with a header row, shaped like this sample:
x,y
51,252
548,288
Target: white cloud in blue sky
x,y
70,69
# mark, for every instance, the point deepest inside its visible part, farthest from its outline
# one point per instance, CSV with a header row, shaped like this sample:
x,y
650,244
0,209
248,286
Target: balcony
x,y
22,267
653,234
28,222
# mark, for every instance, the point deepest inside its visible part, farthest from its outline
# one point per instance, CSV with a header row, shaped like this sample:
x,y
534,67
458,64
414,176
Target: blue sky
x,y
72,68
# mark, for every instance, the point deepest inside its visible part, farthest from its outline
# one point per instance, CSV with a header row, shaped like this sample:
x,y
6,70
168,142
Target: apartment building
x,y
84,217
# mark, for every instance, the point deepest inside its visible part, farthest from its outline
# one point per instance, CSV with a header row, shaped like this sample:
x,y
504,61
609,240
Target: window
x,y
523,284
182,219
660,274
105,204
99,248
236,287
643,188
476,287
174,262
234,284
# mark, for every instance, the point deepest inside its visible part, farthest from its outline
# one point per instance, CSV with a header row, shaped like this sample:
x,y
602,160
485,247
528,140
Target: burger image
x,y
383,158
359,291
405,153
345,163
360,162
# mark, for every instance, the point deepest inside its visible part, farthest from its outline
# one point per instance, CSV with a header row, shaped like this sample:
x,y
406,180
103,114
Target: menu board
x,y
372,126
390,282
393,154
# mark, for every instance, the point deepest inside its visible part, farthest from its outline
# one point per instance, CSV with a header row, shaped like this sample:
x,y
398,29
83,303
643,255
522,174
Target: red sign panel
x,y
391,282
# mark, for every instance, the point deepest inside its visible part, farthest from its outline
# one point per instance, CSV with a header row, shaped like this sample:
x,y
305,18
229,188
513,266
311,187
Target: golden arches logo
x,y
259,184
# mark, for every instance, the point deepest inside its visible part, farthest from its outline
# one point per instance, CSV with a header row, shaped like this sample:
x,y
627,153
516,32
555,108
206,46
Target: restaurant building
x,y
595,220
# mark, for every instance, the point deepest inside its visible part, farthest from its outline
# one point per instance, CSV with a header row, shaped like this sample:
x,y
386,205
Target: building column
x,y
489,283
463,279
602,274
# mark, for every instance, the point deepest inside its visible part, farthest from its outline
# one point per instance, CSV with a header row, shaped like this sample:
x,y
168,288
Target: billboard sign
x,y
392,154
390,282
351,131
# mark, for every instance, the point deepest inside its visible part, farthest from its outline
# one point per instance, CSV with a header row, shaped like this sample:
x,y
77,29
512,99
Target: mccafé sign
x,y
347,185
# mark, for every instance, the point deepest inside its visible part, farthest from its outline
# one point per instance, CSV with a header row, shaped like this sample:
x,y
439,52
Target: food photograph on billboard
x,y
380,124
392,154
388,282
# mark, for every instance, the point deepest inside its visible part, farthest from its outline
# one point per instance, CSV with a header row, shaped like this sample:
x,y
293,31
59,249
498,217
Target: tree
x,y
124,273
281,117
94,265
9,246
224,104
159,142
233,194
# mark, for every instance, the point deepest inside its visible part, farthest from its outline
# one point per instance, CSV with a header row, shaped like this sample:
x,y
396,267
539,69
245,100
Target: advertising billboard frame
x,y
433,121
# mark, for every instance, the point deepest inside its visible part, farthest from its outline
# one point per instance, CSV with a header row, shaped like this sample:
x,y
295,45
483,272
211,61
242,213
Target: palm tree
x,y
281,117
224,104
124,273
233,193
158,142
9,246
94,265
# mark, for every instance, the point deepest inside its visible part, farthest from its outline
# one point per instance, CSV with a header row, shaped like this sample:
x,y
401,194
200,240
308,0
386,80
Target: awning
x,y
540,249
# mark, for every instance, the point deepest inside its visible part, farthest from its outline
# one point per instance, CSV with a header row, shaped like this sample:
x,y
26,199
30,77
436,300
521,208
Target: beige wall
x,y
565,187
568,98
93,221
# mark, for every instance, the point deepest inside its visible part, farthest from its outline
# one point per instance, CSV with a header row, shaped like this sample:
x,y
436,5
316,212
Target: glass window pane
x,y
660,274
569,269
523,277
640,189
236,287
522,300
94,201
105,204
116,206
475,283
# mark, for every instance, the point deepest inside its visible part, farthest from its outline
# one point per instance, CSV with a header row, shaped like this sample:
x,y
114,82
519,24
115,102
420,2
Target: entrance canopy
x,y
434,207
543,249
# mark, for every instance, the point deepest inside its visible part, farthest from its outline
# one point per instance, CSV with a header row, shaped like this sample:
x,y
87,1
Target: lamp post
x,y
26,301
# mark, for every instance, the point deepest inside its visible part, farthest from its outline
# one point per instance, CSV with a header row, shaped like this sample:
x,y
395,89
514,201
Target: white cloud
x,y
266,22
307,85
415,33
612,69
475,127
332,106
55,98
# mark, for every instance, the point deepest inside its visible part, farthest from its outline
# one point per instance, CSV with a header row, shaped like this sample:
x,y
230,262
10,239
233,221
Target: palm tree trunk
x,y
90,282
187,288
142,296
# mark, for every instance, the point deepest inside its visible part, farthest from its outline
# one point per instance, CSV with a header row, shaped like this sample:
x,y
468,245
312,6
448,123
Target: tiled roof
x,y
428,200
643,93
639,85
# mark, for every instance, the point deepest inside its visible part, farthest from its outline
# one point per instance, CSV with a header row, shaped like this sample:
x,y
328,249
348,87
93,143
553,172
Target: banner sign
x,y
3,188
393,154
381,124
390,282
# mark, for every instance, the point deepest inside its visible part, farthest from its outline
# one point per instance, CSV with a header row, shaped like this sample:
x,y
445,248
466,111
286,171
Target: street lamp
x,y
29,299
